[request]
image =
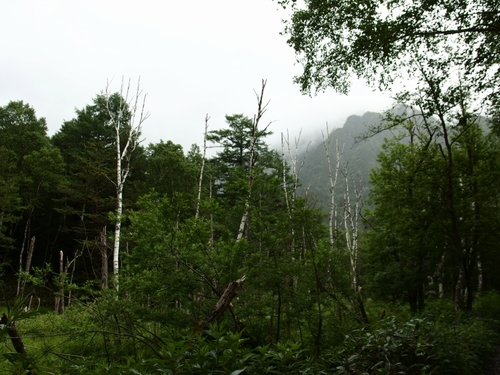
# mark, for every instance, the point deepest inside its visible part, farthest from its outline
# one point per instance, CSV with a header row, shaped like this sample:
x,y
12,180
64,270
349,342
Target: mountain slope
x,y
358,159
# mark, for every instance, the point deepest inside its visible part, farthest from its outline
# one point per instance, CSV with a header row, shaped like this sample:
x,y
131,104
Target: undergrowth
x,y
90,340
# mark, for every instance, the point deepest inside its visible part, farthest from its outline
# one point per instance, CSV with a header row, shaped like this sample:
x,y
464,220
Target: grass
x,y
103,338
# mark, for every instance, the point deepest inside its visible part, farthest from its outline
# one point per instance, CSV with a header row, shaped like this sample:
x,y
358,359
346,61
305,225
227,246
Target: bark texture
x,y
15,338
221,305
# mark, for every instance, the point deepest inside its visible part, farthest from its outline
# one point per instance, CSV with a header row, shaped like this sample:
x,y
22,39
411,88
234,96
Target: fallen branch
x,y
221,305
17,342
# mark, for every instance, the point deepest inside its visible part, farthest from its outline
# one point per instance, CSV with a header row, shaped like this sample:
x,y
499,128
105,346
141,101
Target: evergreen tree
x,y
430,222
30,175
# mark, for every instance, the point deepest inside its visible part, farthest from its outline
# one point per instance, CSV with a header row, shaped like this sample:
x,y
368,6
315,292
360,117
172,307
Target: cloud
x,y
194,58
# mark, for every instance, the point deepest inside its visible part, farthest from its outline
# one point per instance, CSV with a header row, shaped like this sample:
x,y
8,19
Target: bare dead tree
x,y
21,254
127,120
290,196
73,263
333,175
16,340
212,226
261,109
202,166
285,182
103,245
351,219
59,299
479,276
295,168
29,257
222,304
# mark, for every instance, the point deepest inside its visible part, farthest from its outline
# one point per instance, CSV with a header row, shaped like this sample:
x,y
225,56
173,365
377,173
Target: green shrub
x,y
440,341
394,348
462,345
488,307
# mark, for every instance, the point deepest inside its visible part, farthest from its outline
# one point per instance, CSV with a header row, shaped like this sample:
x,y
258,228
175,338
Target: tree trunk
x,y
459,301
20,276
133,130
119,210
59,299
104,259
15,338
333,175
479,276
222,305
28,263
200,181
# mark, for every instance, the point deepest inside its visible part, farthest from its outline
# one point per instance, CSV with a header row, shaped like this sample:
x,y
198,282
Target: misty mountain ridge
x,y
359,156
357,159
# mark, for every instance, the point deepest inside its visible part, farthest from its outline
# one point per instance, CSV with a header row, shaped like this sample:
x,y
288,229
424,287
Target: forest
x,y
118,257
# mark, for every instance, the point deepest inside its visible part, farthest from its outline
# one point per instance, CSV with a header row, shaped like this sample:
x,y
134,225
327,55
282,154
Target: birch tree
x,y
202,168
333,175
261,109
243,146
87,146
290,196
351,219
127,120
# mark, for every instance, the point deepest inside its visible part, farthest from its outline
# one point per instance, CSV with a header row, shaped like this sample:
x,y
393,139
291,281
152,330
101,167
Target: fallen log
x,y
15,338
222,304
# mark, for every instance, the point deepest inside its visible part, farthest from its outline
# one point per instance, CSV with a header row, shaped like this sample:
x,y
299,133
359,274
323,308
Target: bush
x,y
447,344
488,307
394,348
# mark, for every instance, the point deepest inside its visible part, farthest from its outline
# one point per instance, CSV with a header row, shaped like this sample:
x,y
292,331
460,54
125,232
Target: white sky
x,y
194,57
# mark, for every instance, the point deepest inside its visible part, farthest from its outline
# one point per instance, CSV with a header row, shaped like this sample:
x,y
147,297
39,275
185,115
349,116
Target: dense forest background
x,y
375,251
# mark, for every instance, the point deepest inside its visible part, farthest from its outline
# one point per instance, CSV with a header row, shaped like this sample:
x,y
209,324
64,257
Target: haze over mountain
x,y
357,159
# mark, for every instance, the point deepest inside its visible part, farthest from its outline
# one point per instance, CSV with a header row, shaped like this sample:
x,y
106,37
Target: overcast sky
x,y
194,58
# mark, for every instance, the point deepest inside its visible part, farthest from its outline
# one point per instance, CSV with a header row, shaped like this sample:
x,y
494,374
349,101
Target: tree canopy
x,y
382,41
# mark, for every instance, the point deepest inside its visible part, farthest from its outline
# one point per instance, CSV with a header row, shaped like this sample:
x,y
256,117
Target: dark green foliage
x,y
383,41
305,306
433,212
170,173
236,141
87,195
488,306
86,143
30,172
166,248
439,341
112,336
391,349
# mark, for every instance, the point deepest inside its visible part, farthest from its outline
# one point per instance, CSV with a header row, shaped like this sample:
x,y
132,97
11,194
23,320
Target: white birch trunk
x,y
211,215
333,181
479,275
291,196
119,205
116,245
244,218
59,300
21,276
202,166
260,111
127,105
29,257
104,259
290,202
284,174
243,222
351,228
70,282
